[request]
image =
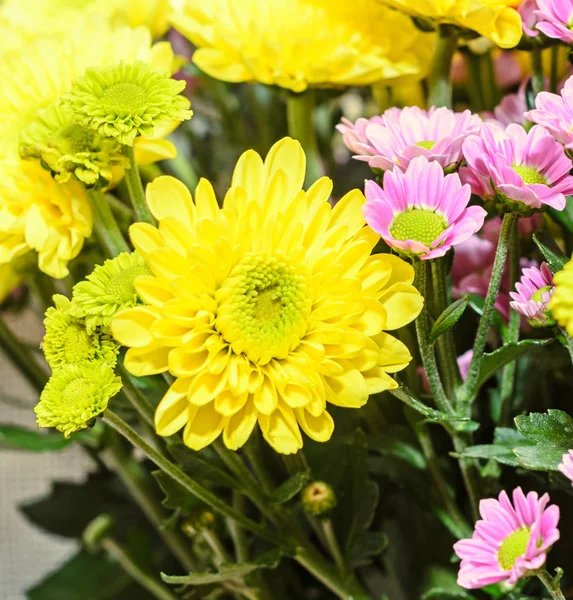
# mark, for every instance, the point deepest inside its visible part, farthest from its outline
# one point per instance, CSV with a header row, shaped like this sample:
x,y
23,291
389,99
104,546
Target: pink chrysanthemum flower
x,y
511,109
566,466
534,290
422,212
400,135
555,113
527,9
510,540
524,170
554,18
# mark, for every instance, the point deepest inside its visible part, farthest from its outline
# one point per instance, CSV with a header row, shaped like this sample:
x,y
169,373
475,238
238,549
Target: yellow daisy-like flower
x,y
561,303
301,43
265,310
495,19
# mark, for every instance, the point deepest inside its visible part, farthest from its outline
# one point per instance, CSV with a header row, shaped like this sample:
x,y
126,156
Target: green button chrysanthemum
x,y
108,288
67,341
126,101
66,148
75,395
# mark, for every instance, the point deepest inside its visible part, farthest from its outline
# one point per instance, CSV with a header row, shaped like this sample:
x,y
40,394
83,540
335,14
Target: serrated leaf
x,y
496,360
551,252
269,560
539,458
176,496
13,437
291,487
448,318
502,454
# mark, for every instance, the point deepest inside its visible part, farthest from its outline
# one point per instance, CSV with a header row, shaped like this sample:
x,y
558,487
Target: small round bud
x,y
318,498
198,522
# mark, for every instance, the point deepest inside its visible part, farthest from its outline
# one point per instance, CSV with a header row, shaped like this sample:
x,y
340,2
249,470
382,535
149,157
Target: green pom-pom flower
x,y
68,342
126,101
75,395
66,148
109,288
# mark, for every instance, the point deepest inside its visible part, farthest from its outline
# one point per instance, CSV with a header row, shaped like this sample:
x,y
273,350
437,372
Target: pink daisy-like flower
x,y
525,170
555,113
566,466
422,212
534,290
511,109
554,19
510,540
400,135
527,9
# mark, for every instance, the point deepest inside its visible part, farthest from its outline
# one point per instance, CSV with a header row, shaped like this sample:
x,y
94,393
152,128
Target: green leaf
x,y
387,445
291,487
87,577
269,560
551,252
441,594
565,216
502,454
449,318
554,427
496,360
13,437
539,458
176,496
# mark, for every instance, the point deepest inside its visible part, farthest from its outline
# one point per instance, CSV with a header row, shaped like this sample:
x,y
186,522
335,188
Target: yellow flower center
x,y
124,98
77,343
75,394
418,224
263,308
427,144
529,175
121,286
513,547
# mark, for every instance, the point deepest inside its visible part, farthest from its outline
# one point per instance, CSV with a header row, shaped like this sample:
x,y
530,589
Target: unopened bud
x,y
318,498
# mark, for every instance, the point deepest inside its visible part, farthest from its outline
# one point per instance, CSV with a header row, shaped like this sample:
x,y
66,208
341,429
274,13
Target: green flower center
x,y
76,392
513,547
124,98
418,224
538,295
77,343
427,144
263,308
121,286
74,139
529,175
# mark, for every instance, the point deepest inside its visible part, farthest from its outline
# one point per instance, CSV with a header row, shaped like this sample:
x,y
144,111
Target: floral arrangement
x,y
304,275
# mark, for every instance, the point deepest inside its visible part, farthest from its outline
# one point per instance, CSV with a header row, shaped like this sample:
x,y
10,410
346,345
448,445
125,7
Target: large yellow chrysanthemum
x,y
35,212
561,303
265,310
495,19
301,43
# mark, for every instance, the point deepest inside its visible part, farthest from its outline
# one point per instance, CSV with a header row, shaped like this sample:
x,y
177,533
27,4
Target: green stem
x,y
134,478
537,79
135,188
469,388
182,167
106,227
136,396
440,84
512,336
254,454
220,553
551,584
237,532
22,357
300,108
554,75
128,564
295,463
470,475
569,340
333,545
408,398
475,83
490,89
447,355
426,348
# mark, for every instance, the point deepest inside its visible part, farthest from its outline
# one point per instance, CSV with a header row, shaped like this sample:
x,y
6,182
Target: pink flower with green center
x,y
510,541
566,466
534,290
555,19
555,113
400,135
422,212
511,109
523,170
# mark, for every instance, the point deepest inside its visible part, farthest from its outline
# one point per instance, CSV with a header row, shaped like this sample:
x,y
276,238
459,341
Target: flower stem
x,y
569,341
129,565
106,227
551,584
135,188
300,109
426,348
135,480
22,357
469,388
135,396
333,545
537,79
446,346
512,336
440,86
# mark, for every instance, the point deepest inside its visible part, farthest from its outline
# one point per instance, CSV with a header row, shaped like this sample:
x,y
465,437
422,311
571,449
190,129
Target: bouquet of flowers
x,y
315,334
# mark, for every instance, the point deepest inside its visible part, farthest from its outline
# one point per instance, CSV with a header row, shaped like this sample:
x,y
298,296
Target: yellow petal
x,y
249,174
349,389
149,360
204,427
281,430
265,398
205,387
152,291
288,156
151,150
174,410
169,197
145,238
206,201
132,326
240,426
319,428
227,403
394,355
378,381
402,303
348,212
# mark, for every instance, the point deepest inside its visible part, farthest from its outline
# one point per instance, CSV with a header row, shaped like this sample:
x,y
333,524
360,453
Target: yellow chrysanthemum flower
x,y
495,19
264,310
561,303
301,43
